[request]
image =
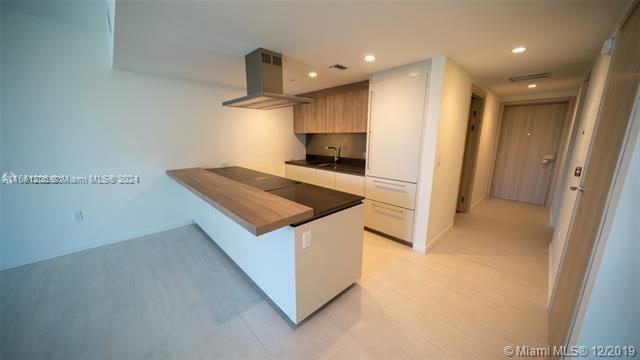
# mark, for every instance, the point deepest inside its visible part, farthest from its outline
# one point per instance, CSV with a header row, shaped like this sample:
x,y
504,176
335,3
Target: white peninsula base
x,y
297,279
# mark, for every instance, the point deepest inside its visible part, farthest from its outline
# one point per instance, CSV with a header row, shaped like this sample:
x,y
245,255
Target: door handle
x,y
388,208
398,187
545,159
577,188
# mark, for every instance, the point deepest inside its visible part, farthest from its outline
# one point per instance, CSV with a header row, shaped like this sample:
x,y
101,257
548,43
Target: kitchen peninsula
x,y
301,244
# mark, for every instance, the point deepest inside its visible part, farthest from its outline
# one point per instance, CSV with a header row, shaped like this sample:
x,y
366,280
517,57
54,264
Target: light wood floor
x,y
174,295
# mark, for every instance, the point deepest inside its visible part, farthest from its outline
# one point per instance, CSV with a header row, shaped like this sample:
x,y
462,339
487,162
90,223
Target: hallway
x,y
174,294
481,287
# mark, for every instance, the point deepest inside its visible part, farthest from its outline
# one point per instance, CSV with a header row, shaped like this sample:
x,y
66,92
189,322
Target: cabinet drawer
x,y
391,192
352,184
388,219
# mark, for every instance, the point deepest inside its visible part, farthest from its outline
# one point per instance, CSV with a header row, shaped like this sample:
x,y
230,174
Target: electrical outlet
x,y
78,216
224,163
214,218
306,239
438,160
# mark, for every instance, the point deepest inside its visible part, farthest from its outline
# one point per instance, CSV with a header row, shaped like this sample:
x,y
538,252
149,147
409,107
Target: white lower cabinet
x,y
392,192
292,172
388,219
325,179
307,175
352,184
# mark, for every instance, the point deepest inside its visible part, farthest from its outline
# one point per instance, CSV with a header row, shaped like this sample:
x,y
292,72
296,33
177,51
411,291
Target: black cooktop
x,y
323,201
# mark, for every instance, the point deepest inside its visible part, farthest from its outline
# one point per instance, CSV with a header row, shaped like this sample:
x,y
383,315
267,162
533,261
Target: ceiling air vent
x,y
338,67
529,77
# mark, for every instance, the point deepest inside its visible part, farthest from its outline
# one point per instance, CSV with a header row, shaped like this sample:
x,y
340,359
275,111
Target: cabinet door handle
x,y
401,211
398,187
370,130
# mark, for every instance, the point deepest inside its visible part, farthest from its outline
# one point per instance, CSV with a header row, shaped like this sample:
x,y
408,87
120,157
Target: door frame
x,y
564,132
465,188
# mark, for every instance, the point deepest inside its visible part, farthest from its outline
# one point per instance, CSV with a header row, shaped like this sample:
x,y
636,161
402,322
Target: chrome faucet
x,y
336,155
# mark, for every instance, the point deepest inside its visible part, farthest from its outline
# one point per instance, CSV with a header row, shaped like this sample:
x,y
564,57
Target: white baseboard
x,y
90,245
419,248
438,237
477,202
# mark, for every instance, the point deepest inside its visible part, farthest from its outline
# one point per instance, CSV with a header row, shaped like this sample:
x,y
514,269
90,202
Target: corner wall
x,y
454,117
444,134
68,113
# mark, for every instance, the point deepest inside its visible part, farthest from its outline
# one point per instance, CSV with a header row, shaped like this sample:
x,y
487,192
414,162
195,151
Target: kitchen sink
x,y
335,166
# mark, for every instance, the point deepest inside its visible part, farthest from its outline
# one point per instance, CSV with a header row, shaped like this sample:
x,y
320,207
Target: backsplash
x,y
353,145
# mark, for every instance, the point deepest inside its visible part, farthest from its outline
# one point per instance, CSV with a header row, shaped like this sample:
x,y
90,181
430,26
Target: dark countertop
x,y
346,165
323,201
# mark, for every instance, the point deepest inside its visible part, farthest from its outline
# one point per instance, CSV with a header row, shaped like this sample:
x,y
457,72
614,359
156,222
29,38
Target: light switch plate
x,y
78,216
306,239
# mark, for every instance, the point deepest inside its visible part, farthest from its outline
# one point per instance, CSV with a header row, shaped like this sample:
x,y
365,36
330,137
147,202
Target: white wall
x,y
611,310
444,134
2,140
430,126
454,117
486,148
67,112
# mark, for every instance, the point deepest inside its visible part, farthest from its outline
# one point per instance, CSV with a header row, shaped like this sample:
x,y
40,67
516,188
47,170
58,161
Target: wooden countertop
x,y
256,210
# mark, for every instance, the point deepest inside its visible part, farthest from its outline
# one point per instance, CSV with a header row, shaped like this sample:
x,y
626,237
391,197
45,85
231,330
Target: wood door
x,y
470,154
529,135
607,142
576,159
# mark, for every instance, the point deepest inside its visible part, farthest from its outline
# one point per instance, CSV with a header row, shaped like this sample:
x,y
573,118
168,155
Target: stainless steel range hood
x,y
264,83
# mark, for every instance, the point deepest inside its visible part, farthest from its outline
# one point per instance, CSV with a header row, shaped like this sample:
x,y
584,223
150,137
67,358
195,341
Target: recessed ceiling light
x,y
531,86
519,50
369,58
313,74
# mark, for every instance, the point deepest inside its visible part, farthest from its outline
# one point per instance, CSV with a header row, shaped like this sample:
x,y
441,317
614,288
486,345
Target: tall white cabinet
x,y
397,100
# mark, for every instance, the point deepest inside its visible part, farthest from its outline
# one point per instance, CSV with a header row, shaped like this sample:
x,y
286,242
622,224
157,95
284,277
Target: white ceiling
x,y
84,13
207,41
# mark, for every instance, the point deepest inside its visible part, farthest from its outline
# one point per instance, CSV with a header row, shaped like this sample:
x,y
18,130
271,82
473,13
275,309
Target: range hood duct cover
x,y
264,83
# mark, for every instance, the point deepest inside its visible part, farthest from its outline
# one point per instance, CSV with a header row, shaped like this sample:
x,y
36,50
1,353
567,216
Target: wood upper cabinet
x,y
355,114
309,118
342,109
